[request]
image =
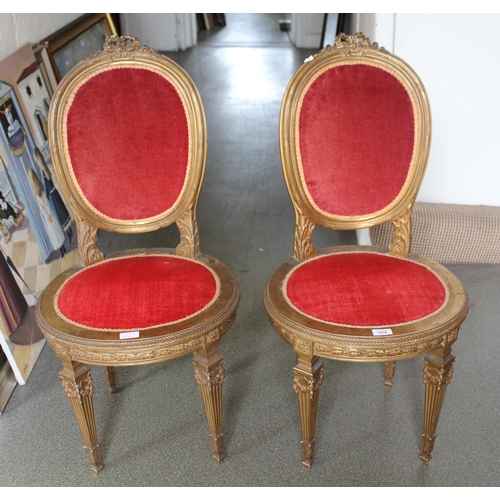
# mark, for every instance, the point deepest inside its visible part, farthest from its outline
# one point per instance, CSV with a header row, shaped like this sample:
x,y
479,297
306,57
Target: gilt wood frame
x,y
125,52
313,339
198,334
351,50
346,343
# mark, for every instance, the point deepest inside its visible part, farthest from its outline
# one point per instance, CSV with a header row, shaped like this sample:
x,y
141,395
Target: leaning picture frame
x,y
45,65
78,40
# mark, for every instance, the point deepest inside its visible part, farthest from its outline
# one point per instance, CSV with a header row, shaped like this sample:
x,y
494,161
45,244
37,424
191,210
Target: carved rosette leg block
x,y
209,374
78,387
438,371
390,368
110,373
307,382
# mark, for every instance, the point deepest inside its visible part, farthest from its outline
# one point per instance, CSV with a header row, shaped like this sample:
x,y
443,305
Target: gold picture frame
x,y
78,40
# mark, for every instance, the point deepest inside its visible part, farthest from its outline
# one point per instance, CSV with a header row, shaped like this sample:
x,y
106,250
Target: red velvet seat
x,y
367,290
354,141
137,293
128,141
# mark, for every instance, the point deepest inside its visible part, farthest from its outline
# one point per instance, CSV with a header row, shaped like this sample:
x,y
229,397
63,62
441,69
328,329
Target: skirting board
x,y
450,233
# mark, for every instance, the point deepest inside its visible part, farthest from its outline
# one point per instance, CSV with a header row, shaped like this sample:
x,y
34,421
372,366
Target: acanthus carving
x,y
78,390
189,244
303,247
370,352
87,242
439,377
402,233
125,357
208,378
308,385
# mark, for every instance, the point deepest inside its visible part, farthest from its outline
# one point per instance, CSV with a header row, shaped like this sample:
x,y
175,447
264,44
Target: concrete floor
x,y
153,432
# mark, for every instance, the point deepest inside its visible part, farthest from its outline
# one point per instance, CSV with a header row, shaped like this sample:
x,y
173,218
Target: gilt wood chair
x,y
128,141
354,139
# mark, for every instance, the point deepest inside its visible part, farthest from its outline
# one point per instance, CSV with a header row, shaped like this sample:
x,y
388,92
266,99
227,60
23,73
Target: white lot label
x,y
129,335
382,331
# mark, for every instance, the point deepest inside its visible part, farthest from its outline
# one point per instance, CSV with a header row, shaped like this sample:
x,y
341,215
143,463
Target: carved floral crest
x,y
121,47
356,44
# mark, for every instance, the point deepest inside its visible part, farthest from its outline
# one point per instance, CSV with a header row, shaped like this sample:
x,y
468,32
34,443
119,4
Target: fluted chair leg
x,y
307,381
209,374
78,386
438,371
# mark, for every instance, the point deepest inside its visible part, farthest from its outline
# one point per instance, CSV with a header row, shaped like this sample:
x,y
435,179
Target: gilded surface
x,y
189,244
373,352
129,357
432,335
78,390
208,377
121,47
356,44
390,368
198,334
212,336
452,336
302,246
87,242
402,233
301,345
355,49
439,377
124,52
94,456
308,385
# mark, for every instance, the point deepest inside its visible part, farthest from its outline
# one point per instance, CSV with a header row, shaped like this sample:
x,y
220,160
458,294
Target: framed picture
x,y
37,228
45,65
76,41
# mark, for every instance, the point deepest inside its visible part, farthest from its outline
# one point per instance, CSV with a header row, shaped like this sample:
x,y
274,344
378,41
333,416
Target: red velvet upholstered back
x,y
127,141
355,136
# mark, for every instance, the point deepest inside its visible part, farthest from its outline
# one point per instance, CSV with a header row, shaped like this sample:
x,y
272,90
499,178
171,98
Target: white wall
x,y
164,32
457,58
16,30
158,31
306,30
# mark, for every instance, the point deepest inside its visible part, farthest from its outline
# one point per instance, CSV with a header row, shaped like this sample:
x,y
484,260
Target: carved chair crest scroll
x,y
350,50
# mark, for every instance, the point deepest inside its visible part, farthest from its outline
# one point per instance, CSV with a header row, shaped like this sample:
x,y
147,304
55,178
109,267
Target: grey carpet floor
x,y
153,432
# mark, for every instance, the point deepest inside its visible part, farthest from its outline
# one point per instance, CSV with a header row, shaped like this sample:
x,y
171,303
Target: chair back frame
x,y
125,52
352,50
